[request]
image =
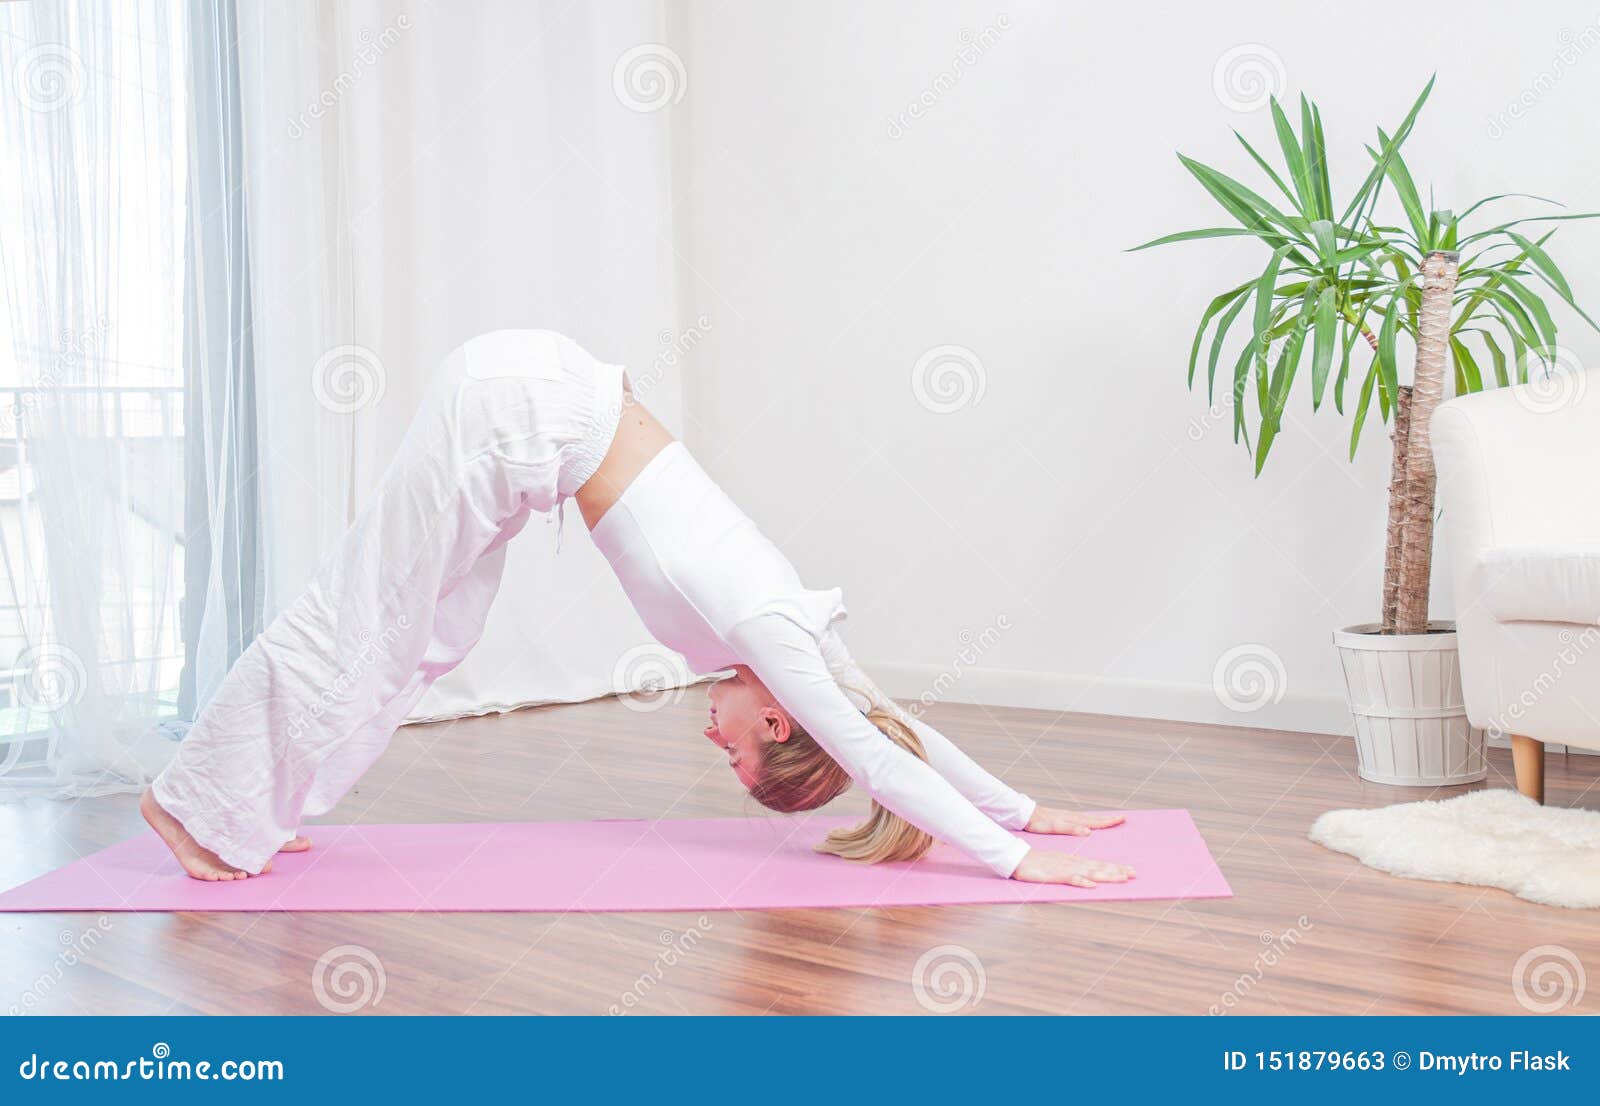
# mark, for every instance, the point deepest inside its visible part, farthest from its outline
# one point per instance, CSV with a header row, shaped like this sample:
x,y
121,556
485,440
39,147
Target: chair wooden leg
x,y
1527,757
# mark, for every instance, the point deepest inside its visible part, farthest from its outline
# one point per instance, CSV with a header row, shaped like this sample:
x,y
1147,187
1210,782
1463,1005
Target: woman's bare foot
x,y
199,862
297,845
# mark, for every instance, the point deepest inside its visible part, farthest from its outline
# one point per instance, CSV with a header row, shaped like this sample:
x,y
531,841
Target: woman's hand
x,y
1071,822
1039,866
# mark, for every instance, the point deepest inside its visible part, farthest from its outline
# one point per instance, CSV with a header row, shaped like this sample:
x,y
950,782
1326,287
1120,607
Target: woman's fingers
x,y
1099,872
1073,871
1073,822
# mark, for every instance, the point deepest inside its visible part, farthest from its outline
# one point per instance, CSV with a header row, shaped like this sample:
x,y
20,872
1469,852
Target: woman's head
x,y
785,769
745,721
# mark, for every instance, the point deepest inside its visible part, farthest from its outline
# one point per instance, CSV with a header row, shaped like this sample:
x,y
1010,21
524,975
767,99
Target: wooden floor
x,y
1308,931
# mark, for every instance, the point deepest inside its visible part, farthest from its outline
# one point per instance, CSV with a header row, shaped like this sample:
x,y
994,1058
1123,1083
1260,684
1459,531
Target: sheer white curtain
x,y
229,258
419,174
92,233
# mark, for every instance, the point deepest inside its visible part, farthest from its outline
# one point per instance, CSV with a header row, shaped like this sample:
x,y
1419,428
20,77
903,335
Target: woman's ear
x,y
777,723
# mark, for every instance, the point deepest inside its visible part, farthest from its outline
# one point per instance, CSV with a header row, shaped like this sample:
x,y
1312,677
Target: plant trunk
x,y
1397,501
1439,272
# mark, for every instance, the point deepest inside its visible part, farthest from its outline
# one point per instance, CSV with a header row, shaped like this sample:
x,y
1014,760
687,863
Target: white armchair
x,y
1519,482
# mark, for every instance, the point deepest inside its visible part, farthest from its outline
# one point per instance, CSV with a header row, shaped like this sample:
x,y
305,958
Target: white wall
x,y
1074,501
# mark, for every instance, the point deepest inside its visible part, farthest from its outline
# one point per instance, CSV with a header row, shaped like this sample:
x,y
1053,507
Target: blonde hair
x,y
798,774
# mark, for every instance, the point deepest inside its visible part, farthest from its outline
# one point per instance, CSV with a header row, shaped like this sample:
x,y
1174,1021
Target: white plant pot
x,y
1405,694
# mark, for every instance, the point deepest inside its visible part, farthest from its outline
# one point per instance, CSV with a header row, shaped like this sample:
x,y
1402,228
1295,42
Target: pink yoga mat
x,y
731,863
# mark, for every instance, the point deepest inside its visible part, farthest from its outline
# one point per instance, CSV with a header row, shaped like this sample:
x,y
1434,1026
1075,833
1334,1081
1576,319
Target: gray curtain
x,y
223,578
130,569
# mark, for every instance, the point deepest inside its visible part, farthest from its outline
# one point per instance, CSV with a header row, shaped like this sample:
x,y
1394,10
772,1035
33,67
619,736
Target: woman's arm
x,y
1009,807
787,660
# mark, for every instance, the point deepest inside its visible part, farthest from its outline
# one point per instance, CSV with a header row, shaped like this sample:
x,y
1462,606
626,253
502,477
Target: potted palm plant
x,y
1469,299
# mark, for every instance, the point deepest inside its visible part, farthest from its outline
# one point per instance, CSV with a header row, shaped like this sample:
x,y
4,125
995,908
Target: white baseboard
x,y
1007,687
1550,747
1011,687
1325,714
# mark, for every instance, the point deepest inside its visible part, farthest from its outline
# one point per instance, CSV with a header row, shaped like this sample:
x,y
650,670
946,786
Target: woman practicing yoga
x,y
519,422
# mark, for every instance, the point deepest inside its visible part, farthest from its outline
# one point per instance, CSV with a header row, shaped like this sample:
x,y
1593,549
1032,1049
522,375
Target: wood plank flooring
x,y
1309,931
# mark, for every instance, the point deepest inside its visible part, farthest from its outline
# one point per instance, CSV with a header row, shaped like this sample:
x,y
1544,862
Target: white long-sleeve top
x,y
709,585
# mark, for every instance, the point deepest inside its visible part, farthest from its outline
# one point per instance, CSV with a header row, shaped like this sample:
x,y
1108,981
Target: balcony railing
x,y
146,650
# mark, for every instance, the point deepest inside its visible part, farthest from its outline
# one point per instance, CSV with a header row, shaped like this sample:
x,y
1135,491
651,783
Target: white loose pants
x,y
517,422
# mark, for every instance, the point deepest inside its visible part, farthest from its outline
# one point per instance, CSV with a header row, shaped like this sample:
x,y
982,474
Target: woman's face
x,y
745,718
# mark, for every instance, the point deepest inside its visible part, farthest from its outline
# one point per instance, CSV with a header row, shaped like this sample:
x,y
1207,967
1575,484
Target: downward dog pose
x,y
519,422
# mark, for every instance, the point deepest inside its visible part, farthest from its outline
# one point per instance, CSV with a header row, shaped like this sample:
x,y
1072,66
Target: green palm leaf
x,y
1331,283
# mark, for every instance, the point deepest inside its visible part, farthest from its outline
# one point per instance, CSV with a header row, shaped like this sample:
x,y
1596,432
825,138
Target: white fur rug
x,y
1493,838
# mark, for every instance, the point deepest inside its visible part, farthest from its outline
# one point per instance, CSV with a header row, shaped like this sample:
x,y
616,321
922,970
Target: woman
x,y
519,422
